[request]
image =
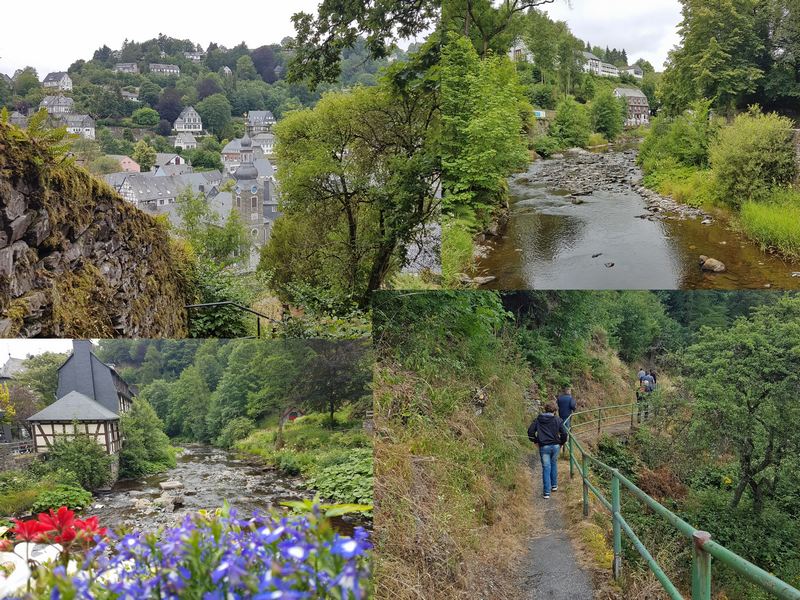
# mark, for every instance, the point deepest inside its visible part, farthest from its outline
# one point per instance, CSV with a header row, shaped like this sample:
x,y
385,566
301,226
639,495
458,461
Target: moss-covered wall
x,y
76,260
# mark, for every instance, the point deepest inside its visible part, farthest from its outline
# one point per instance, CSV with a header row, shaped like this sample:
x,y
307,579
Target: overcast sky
x,y
22,348
645,28
50,35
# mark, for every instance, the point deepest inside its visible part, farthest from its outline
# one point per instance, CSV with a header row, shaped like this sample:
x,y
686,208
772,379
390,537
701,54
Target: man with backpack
x,y
548,432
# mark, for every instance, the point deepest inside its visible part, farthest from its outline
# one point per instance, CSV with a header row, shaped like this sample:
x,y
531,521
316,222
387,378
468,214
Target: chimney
x,y
83,380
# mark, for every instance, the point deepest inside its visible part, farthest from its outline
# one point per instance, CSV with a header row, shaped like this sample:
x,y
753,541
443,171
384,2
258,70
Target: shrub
x,y
542,95
75,498
546,145
146,449
571,124
752,156
596,139
349,481
236,429
608,116
84,457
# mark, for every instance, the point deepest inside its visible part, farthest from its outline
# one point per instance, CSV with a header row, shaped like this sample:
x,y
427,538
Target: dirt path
x,y
551,570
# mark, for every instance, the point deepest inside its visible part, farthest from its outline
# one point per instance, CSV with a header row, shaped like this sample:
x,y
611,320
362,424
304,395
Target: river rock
x,y
142,504
171,485
711,264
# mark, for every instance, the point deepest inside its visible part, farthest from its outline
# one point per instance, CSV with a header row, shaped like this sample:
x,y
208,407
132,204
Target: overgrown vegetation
x,y
747,166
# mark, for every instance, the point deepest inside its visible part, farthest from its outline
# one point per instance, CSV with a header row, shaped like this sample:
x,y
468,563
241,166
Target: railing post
x,y
616,515
633,410
585,473
701,567
569,449
599,421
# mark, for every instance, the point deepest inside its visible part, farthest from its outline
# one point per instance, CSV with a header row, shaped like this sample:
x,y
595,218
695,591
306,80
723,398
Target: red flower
x,y
90,527
6,545
28,531
61,523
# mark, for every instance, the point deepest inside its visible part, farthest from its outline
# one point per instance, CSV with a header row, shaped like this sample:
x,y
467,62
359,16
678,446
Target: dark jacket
x,y
566,406
547,429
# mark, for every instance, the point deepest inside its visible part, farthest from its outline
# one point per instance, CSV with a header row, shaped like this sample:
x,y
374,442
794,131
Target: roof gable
x,y
74,406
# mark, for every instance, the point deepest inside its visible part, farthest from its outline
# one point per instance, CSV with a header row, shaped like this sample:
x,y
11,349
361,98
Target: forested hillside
x,y
461,375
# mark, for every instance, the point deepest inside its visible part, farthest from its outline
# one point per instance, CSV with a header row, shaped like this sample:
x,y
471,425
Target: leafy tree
x,y
744,378
84,457
149,93
41,375
189,397
608,114
103,165
235,430
208,86
169,104
265,62
145,117
26,81
146,449
245,69
571,124
144,154
221,243
718,58
24,401
216,113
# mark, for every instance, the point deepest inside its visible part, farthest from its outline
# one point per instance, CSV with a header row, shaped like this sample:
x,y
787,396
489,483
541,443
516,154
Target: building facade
x,y
165,69
259,121
59,80
638,106
57,104
126,68
185,141
188,120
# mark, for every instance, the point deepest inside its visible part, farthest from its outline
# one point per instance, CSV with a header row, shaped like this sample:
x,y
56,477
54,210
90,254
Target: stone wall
x,y
78,261
10,461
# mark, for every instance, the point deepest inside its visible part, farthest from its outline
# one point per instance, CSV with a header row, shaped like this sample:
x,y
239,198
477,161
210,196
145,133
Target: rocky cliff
x,y
76,260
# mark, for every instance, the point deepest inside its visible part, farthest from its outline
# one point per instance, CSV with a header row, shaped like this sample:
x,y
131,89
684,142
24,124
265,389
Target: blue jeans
x,y
549,456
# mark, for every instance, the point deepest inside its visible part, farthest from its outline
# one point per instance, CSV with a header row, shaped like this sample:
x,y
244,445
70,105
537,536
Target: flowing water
x,y
210,476
584,222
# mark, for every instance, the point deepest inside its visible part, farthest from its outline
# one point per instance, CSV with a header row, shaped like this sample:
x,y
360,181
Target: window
x,y
254,202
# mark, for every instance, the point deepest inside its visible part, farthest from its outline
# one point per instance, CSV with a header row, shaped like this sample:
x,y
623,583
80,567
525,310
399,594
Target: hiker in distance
x,y
566,405
548,432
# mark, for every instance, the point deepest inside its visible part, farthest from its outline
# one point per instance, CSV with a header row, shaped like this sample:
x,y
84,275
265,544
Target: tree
x,y
245,69
719,56
169,104
146,448
571,124
190,398
319,40
265,62
149,93
145,117
26,81
363,169
216,113
208,86
608,114
24,401
41,375
223,244
744,378
144,154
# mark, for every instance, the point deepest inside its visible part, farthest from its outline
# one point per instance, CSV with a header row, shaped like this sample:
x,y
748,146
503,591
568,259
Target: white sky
x,y
52,34
645,28
22,348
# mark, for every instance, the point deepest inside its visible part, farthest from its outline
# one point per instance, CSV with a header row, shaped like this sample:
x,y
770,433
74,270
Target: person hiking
x,y
653,375
566,405
547,431
641,374
649,382
642,403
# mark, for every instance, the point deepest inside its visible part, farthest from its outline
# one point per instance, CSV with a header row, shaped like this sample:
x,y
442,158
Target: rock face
x,y
711,264
76,260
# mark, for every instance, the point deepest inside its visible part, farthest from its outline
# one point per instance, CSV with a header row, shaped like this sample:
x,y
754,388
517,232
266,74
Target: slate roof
x,y
589,56
49,101
116,180
12,367
168,170
264,167
75,120
232,146
259,117
185,137
163,158
74,406
630,92
54,77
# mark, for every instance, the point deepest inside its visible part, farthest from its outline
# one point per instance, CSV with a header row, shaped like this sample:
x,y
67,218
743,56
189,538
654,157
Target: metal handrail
x,y
241,307
703,547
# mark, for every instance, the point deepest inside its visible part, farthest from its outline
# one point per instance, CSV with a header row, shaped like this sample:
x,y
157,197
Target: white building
x,y
188,120
59,80
608,70
634,70
57,104
185,140
165,69
592,64
126,68
194,56
519,51
82,125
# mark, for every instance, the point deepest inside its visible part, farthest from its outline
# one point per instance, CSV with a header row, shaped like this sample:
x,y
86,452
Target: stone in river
x,y
170,485
711,264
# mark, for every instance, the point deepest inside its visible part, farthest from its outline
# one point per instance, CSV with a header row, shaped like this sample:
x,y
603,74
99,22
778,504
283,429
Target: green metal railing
x,y
703,547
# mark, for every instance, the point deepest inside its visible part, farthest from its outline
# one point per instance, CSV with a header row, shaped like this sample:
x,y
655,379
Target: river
x,y
583,221
210,476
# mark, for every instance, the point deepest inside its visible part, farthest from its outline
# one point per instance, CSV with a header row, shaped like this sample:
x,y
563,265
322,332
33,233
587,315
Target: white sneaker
x,y
546,496
554,488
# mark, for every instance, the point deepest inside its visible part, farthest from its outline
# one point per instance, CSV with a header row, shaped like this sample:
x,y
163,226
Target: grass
x,y
595,140
774,224
309,444
688,185
457,251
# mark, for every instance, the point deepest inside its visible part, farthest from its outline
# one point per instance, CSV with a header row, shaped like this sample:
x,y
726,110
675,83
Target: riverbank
x,y
585,220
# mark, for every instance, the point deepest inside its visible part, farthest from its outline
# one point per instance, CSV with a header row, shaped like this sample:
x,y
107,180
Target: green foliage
x,y
216,114
347,482
608,115
85,458
570,128
146,449
145,117
236,429
144,154
752,156
74,498
546,145
457,250
41,375
483,116
774,223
